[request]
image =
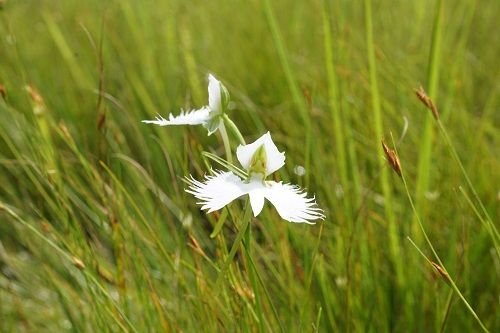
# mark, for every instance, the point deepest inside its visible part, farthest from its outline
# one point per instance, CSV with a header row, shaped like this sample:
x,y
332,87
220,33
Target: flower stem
x,y
236,244
266,292
225,140
247,242
232,126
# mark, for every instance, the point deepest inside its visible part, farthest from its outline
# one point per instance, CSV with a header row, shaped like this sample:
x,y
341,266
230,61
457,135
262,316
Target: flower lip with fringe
x,y
260,159
209,116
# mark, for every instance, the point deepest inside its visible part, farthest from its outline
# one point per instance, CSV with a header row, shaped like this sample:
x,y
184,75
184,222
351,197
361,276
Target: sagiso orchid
x,y
260,159
209,116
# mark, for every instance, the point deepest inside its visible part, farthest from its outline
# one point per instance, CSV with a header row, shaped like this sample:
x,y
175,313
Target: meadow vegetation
x,y
97,233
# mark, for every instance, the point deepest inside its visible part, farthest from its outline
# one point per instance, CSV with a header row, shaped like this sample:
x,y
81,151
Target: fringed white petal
x,y
275,159
217,191
214,93
292,203
196,117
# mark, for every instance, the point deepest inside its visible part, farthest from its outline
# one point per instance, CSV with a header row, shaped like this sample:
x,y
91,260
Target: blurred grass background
x,y
97,234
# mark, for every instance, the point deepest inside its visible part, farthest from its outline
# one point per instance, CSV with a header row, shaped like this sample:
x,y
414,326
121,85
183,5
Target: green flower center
x,y
258,163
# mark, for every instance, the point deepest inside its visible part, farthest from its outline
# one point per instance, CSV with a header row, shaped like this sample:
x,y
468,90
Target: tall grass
x,y
97,233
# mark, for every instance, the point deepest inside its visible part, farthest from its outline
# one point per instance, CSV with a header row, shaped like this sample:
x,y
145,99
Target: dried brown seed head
x,y
46,227
78,263
101,120
442,272
3,91
422,96
392,158
245,292
64,130
193,243
36,98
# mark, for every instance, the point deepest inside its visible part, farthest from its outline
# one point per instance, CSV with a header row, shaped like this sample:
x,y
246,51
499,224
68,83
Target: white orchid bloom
x,y
260,159
209,116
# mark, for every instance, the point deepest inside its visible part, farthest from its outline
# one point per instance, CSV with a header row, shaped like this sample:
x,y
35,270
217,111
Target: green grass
x,y
97,233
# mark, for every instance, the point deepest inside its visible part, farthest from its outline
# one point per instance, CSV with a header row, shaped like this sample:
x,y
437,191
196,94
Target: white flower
x,y
208,116
259,159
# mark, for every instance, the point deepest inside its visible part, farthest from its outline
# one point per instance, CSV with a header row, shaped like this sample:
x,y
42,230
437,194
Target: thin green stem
x,y
232,126
268,296
425,144
225,140
490,227
447,311
247,243
333,99
219,223
236,244
225,164
297,97
464,172
419,251
318,318
434,252
378,122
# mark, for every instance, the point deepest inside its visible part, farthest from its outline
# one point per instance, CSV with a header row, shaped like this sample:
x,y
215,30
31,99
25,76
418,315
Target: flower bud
x,y
224,98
